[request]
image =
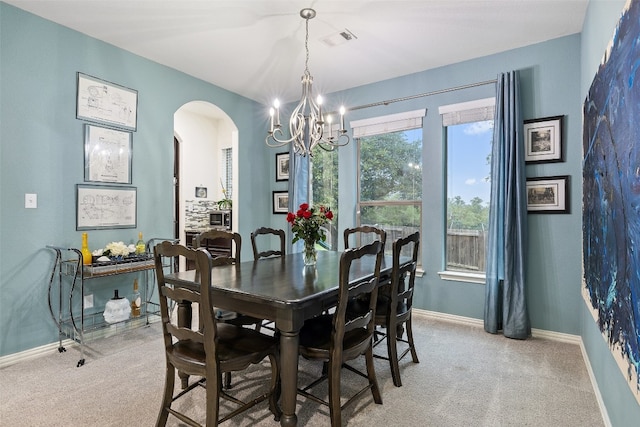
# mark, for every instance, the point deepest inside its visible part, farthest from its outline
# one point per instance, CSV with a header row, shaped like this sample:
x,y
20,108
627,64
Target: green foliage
x,y
388,170
472,216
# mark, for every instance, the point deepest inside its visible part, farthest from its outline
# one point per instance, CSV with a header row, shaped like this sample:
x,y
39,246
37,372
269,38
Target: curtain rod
x,y
435,92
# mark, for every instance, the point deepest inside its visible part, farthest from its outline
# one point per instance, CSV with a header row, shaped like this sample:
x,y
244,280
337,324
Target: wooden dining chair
x,y
263,234
212,239
209,351
359,236
394,312
336,339
258,237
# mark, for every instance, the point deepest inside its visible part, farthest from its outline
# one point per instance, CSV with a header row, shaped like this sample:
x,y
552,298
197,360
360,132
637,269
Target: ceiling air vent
x,y
339,38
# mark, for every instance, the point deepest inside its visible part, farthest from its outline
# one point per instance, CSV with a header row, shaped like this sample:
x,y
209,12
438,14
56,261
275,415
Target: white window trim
x,y
460,276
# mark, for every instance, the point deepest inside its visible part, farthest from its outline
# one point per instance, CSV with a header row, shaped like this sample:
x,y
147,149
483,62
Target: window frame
x,y
453,114
381,125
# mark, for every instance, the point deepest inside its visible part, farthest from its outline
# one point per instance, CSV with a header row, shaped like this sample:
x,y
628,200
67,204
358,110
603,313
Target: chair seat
x,y
315,336
358,306
240,345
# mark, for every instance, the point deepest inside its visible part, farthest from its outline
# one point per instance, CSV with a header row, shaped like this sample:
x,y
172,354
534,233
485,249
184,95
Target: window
x,y
390,173
469,135
324,190
227,170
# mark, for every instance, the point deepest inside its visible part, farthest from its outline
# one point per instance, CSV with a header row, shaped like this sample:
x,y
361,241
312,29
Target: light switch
x,y
30,201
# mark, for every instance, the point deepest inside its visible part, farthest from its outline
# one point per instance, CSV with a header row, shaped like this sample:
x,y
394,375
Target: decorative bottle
x,y
136,301
140,246
87,258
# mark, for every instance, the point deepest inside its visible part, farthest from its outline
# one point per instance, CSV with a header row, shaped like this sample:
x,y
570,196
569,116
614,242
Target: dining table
x,y
285,291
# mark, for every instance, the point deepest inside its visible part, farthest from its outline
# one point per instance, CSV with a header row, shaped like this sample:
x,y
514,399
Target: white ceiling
x,y
256,48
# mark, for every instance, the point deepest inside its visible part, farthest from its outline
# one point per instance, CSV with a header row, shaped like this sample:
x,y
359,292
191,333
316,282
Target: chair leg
x,y
392,352
371,374
414,354
275,388
213,402
227,380
169,383
334,394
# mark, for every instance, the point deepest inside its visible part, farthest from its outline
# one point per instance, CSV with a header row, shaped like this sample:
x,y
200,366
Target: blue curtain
x,y
505,303
298,190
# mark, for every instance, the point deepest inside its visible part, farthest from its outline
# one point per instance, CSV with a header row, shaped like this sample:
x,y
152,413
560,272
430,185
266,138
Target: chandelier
x,y
308,126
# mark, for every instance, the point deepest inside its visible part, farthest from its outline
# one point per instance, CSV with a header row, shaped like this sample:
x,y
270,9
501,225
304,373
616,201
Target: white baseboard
x,y
33,353
594,384
538,333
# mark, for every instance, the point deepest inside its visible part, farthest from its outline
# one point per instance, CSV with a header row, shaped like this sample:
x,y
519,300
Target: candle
x,y
271,112
319,101
342,118
276,105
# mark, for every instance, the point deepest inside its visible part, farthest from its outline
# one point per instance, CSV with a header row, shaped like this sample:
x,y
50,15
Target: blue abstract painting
x,y
611,195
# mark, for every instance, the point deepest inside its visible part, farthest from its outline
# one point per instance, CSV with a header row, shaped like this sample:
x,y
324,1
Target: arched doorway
x,y
205,163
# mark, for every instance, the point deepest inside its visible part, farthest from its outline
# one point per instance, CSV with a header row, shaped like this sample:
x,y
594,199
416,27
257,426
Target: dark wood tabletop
x,y
286,291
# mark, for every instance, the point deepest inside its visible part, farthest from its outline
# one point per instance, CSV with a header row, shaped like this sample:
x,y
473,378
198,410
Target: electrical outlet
x,y
88,301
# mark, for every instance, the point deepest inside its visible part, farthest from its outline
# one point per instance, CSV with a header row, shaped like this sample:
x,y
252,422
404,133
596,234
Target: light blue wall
x,y
42,152
623,409
549,88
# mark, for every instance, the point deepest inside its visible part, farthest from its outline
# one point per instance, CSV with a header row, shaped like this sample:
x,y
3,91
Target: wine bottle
x,y
140,246
87,258
136,301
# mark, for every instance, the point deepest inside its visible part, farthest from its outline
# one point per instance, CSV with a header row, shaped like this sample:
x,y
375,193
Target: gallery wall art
x,y
611,196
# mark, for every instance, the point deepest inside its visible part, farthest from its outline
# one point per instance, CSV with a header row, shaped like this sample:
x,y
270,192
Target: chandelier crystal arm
x,y
307,122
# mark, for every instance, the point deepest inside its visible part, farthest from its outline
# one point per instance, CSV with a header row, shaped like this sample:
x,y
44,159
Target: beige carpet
x,y
465,377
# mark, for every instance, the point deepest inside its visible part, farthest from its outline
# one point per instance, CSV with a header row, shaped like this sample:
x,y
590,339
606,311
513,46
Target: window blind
x,y
389,123
228,171
468,112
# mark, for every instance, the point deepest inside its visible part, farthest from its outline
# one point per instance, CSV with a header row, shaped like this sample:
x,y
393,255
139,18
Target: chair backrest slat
x,y
363,232
266,232
234,241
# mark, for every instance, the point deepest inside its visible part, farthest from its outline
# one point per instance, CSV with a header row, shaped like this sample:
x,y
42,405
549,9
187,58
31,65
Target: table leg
x,y
289,377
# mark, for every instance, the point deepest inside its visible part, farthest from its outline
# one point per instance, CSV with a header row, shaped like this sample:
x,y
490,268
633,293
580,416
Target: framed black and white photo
x,y
543,140
280,202
107,155
104,207
548,194
282,166
201,192
107,103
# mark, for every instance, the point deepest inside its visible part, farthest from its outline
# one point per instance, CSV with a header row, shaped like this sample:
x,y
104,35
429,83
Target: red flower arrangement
x,y
306,222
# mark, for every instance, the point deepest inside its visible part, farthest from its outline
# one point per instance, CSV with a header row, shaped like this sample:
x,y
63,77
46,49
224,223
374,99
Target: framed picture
x,y
201,192
104,206
107,155
106,103
282,166
280,202
543,140
548,194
